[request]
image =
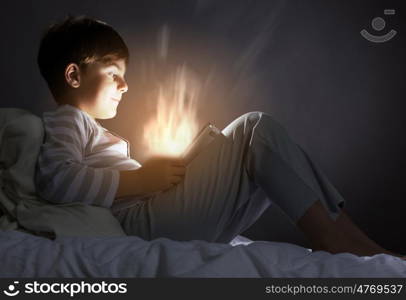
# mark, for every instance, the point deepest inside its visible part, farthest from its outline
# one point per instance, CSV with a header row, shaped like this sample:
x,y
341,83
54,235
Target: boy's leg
x,y
216,188
219,196
339,236
323,221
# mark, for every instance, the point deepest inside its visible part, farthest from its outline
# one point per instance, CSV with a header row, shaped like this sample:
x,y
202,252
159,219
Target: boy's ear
x,y
72,75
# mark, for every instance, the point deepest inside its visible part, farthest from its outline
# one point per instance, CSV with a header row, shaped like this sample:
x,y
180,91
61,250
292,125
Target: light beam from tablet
x,y
175,123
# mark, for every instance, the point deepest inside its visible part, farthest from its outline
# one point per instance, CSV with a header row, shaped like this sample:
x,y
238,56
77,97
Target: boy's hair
x,y
81,40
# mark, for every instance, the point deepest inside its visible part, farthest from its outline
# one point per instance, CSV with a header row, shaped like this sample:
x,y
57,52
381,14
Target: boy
x,y
86,78
226,187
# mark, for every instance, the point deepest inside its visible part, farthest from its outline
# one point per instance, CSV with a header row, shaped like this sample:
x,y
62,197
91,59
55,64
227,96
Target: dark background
x,y
304,62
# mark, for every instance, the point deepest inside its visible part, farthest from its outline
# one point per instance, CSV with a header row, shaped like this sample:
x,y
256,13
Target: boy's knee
x,y
253,115
245,121
255,120
265,123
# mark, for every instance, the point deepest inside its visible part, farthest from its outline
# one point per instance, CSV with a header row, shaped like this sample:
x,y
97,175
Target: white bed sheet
x,y
26,255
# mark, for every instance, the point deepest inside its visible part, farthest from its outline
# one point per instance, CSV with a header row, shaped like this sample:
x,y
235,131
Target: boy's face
x,y
101,88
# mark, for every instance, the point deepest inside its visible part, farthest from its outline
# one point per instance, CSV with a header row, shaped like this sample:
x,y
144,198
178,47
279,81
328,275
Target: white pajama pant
x,y
230,184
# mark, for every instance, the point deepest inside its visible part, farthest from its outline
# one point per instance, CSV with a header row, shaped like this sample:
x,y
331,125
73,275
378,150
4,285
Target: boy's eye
x,y
112,74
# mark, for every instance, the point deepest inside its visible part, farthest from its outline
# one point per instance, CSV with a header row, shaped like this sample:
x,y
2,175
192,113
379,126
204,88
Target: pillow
x,y
21,137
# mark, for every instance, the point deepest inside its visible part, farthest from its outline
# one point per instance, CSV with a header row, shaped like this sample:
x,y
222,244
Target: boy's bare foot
x,y
338,236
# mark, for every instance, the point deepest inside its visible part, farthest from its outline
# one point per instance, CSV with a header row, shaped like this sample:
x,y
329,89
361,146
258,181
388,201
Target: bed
x,y
40,239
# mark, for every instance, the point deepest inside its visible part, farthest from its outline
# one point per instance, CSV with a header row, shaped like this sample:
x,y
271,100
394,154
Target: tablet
x,y
205,136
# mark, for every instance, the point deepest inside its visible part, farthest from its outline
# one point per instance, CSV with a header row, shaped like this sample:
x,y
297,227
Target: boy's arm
x,y
157,174
61,175
129,184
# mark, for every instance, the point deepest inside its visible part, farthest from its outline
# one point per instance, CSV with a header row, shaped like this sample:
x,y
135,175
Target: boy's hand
x,y
160,173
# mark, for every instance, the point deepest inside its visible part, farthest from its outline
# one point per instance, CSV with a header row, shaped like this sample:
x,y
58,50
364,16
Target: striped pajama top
x,y
80,160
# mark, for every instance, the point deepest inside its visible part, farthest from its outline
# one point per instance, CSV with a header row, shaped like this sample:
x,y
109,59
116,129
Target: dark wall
x,y
340,96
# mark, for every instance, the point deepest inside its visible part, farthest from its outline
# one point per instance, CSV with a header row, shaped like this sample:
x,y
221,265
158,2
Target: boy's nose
x,y
123,87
